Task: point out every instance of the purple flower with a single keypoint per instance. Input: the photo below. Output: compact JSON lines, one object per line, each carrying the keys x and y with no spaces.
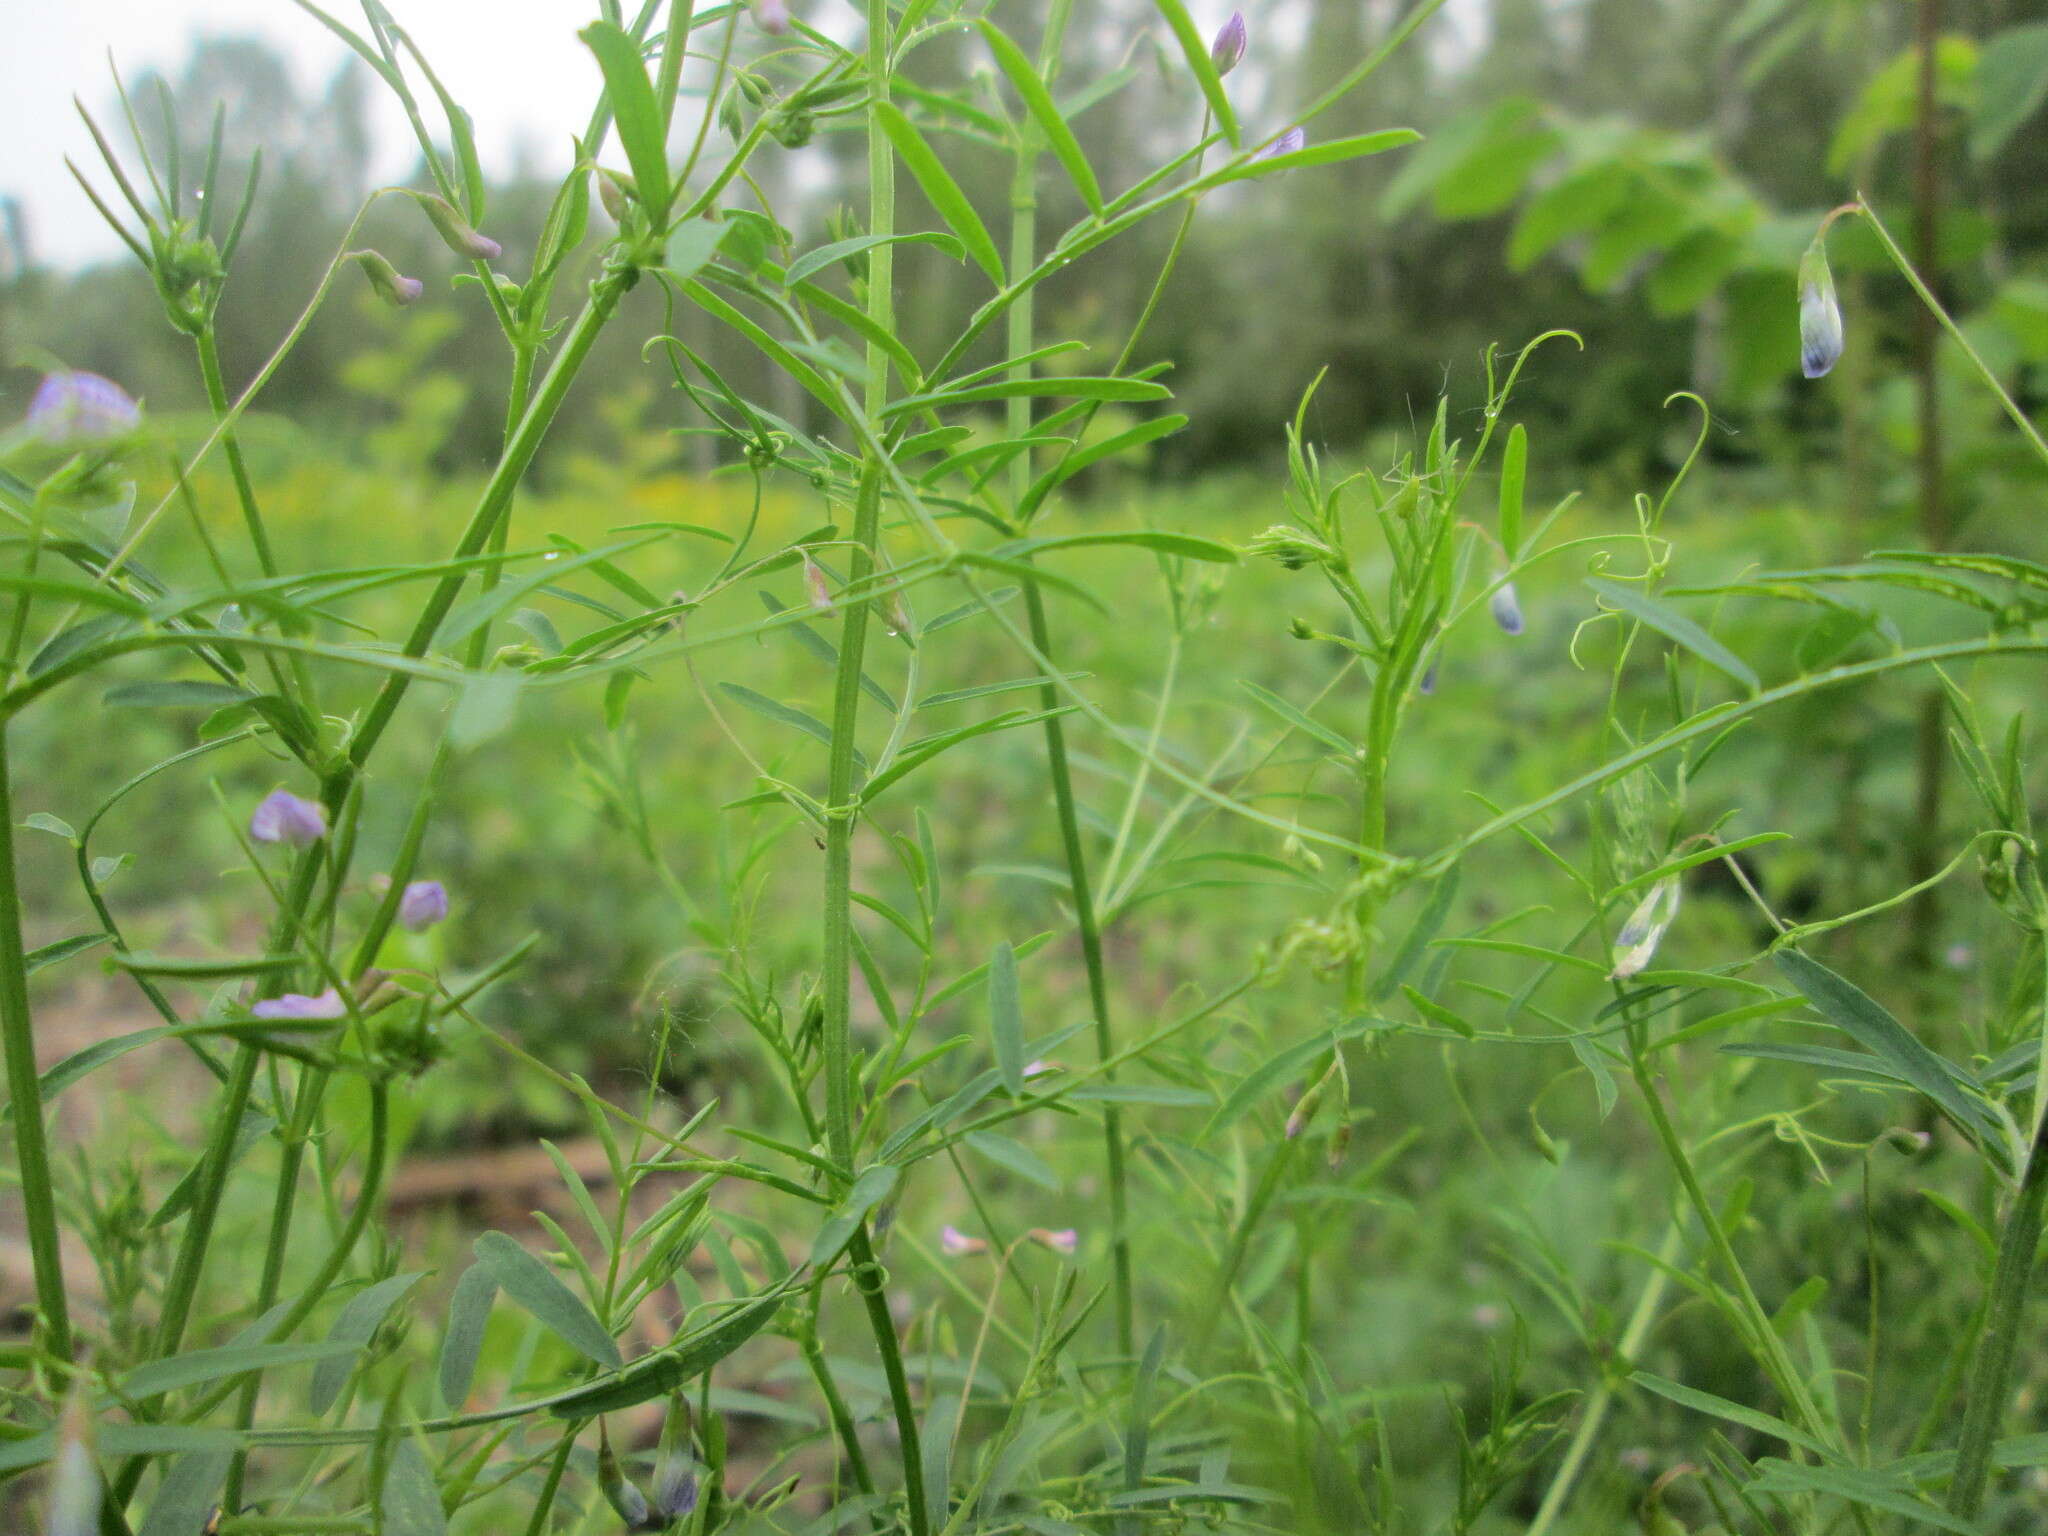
{"x":771,"y":16}
{"x":392,"y":285}
{"x":75,"y":407}
{"x":1228,"y":48}
{"x":1820,"y":317}
{"x":1506,"y":608}
{"x":956,"y":1244}
{"x":1288,"y":142}
{"x":296,"y":1005}
{"x":1064,"y":1240}
{"x":1428,"y":684}
{"x":675,"y":1488}
{"x":455,"y":230}
{"x":424,"y":904}
{"x":284,"y":818}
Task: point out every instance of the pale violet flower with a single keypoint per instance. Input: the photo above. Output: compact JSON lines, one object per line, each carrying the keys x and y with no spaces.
{"x":1064,"y":1240}
{"x":1820,"y":317}
{"x":392,"y":286}
{"x":771,"y":16}
{"x":296,"y":1005}
{"x":816,"y":587}
{"x":956,"y":1244}
{"x":1293,"y":139}
{"x":72,"y":407}
{"x":424,"y":904}
{"x":455,"y":230}
{"x":1506,"y":608}
{"x":1228,"y":48}
{"x":283,"y":817}
{"x":1640,"y":935}
{"x":1038,"y":1068}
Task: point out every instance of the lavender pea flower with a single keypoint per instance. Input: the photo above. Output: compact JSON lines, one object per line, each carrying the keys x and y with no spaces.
{"x":75,"y":407}
{"x":1293,"y":139}
{"x":424,"y":904}
{"x":1820,"y":317}
{"x":675,"y":1488}
{"x":771,"y":16}
{"x":1228,"y":48}
{"x":285,"y":818}
{"x":393,"y":286}
{"x":1506,"y":608}
{"x":816,"y":586}
{"x":296,"y":1005}
{"x":455,"y":230}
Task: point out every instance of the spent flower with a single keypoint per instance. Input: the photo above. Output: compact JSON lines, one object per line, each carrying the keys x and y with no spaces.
{"x":284,"y":817}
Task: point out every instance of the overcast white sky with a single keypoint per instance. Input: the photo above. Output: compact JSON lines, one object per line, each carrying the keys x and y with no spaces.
{"x":490,"y":53}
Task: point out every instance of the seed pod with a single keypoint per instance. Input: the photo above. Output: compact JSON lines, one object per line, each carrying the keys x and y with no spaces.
{"x":1820,"y":317}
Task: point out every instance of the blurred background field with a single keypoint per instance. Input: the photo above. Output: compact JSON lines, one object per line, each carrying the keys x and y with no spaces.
{"x":1643,"y":172}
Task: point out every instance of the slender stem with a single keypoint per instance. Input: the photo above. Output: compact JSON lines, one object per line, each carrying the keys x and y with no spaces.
{"x":1021,"y":336}
{"x":605,"y":294}
{"x":1590,"y":1422}
{"x":24,"y":1090}
{"x":835,"y":1401}
{"x":1990,"y":1378}
{"x":842,"y":1076}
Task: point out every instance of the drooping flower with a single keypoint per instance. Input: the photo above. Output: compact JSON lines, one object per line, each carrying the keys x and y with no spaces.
{"x":957,"y":1244}
{"x":74,"y":407}
{"x":1228,"y":48}
{"x":1064,"y":1240}
{"x":285,"y":818}
{"x":1820,"y":317}
{"x":392,"y":286}
{"x":816,"y":586}
{"x":296,"y":1005}
{"x":75,"y":1477}
{"x":424,"y":904}
{"x":625,"y":1498}
{"x":675,"y":1488}
{"x":1640,"y":935}
{"x":455,"y":231}
{"x":1506,"y":608}
{"x":1293,"y":139}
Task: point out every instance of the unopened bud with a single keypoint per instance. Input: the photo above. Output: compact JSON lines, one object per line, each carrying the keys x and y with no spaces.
{"x":612,"y":193}
{"x":1506,"y":608}
{"x":1228,"y":48}
{"x":771,"y":16}
{"x":1637,"y":942}
{"x":815,"y":584}
{"x":626,"y":1500}
{"x":392,"y":286}
{"x":1820,"y":317}
{"x":455,"y":230}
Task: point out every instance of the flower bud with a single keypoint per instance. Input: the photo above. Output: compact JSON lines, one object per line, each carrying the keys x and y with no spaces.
{"x":75,"y":407}
{"x":424,"y":904}
{"x":614,"y":195}
{"x":771,"y":16}
{"x":296,"y":1005}
{"x":626,"y":1500}
{"x":74,"y":1476}
{"x":392,"y":286}
{"x":1506,"y":608}
{"x":1228,"y":48}
{"x":1428,"y":684}
{"x":455,"y":231}
{"x":815,"y":584}
{"x":957,"y":1244}
{"x":1820,"y":317}
{"x":283,"y":817}
{"x":1637,"y":942}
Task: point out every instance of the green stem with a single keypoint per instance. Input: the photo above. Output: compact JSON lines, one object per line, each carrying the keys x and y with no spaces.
{"x":835,"y":1401}
{"x":605,"y":294}
{"x":1022,"y":323}
{"x":24,"y":1089}
{"x":1990,"y":1379}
